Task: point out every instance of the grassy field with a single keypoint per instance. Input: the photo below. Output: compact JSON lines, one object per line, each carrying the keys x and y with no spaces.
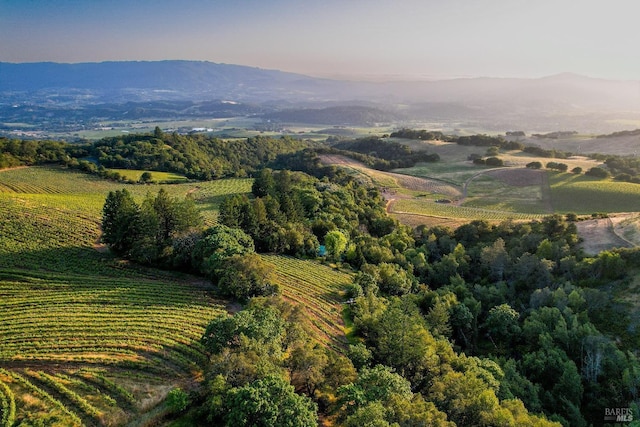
{"x":506,"y":190}
{"x":492,"y":194}
{"x":584,"y":195}
{"x":84,"y":195}
{"x":158,"y":177}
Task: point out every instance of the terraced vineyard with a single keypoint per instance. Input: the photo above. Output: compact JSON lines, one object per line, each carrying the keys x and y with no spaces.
{"x":318,"y":289}
{"x":428,"y":207}
{"x":584,"y":195}
{"x":85,"y":338}
{"x":67,"y":334}
{"x":82,"y":194}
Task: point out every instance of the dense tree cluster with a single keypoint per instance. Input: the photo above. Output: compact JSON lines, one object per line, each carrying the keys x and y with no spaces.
{"x":423,"y":134}
{"x":146,"y":232}
{"x":521,"y":294}
{"x":195,"y":156}
{"x":167,"y":232}
{"x":292,"y":213}
{"x":561,"y":167}
{"x":14,"y":152}
{"x":597,"y":172}
{"x":624,"y":168}
{"x":259,"y":358}
{"x":382,"y":154}
{"x":481,"y":141}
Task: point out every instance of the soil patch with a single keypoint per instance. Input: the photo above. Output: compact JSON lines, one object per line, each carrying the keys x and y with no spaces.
{"x":598,"y":235}
{"x":519,"y":177}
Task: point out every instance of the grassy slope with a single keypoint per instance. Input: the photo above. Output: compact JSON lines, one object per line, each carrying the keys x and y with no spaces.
{"x":487,"y":196}
{"x":84,"y":336}
{"x":584,"y":195}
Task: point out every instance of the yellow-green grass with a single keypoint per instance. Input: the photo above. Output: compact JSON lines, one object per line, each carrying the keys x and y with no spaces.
{"x":318,"y":289}
{"x":627,"y":226}
{"x":455,"y":173}
{"x":585,"y":195}
{"x":393,"y":183}
{"x":487,"y":192}
{"x":589,"y":144}
{"x":428,"y":207}
{"x":159,"y":177}
{"x":57,"y":188}
{"x":75,"y":320}
{"x":455,"y":167}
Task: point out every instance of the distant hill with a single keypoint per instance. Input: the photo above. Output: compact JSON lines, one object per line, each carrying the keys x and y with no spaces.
{"x":560,"y":102}
{"x":350,"y":115}
{"x":198,"y":80}
{"x":152,"y":80}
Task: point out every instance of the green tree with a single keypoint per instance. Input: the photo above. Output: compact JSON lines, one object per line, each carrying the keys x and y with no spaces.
{"x":307,"y":363}
{"x":120,"y":221}
{"x":502,"y":323}
{"x":495,"y":259}
{"x":264,"y":183}
{"x":177,"y":400}
{"x":246,"y":276}
{"x":534,"y":165}
{"x":262,"y":324}
{"x":217,"y":244}
{"x":146,"y":177}
{"x":379,"y":383}
{"x":336,"y":243}
{"x":269,"y":402}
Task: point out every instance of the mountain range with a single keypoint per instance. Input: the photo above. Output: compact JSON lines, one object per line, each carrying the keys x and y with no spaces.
{"x":510,"y":102}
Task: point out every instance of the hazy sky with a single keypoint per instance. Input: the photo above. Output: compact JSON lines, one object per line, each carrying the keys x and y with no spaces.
{"x":413,"y":38}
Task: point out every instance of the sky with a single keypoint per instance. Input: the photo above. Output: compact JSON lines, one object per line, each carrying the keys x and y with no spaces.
{"x":355,"y":39}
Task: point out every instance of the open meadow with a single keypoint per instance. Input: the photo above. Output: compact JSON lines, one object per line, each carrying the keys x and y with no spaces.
{"x":88,"y":339}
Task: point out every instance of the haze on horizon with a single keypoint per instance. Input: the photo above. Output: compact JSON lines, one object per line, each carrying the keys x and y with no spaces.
{"x":373,"y":39}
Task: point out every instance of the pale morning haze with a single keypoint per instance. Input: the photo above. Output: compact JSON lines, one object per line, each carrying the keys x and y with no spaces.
{"x":347,"y":38}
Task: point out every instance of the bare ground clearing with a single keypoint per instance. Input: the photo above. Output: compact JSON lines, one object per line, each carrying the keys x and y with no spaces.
{"x":518,"y":177}
{"x":599,"y":235}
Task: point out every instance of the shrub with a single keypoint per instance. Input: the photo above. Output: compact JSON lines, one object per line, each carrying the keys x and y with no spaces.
{"x":177,"y":400}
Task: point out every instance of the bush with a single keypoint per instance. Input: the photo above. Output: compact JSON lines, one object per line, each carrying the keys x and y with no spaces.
{"x":597,"y":173}
{"x":177,"y":400}
{"x":494,"y":161}
{"x":534,"y":165}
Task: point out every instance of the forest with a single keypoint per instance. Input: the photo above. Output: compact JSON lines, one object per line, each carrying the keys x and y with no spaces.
{"x":487,"y":324}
